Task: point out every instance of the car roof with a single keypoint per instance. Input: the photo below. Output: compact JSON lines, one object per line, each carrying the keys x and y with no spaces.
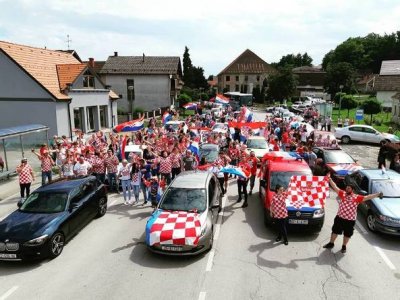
{"x":289,"y":165}
{"x":209,"y":146}
{"x":65,"y":184}
{"x":174,"y":122}
{"x":375,"y":174}
{"x":191,"y":179}
{"x":255,"y":137}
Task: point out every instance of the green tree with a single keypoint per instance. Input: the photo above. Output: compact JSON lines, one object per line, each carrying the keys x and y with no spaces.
{"x":294,"y":60}
{"x":257,"y":94}
{"x":183,"y":99}
{"x":340,"y":74}
{"x":193,"y":77}
{"x":348,"y":102}
{"x":281,"y":85}
{"x":371,"y":107}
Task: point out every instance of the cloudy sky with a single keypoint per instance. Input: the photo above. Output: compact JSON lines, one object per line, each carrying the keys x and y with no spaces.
{"x":215,"y":31}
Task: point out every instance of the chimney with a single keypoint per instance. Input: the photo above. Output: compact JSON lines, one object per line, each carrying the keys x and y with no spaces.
{"x":91,"y":62}
{"x":115,"y":53}
{"x":143,"y":57}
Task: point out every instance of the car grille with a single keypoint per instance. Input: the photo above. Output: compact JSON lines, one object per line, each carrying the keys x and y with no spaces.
{"x":303,"y":214}
{"x":12,"y":246}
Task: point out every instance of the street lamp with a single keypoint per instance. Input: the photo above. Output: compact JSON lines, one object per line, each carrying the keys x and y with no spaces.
{"x":340,"y":99}
{"x":130,"y":88}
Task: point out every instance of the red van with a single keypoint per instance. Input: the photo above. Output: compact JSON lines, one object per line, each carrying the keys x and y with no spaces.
{"x":278,"y":169}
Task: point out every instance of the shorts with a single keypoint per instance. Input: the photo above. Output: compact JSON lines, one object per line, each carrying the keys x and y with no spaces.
{"x":344,"y":226}
{"x":226,"y":176}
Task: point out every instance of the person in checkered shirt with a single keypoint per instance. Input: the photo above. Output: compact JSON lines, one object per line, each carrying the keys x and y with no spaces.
{"x":165,"y":166}
{"x":279,"y":213}
{"x":46,"y":164}
{"x":346,"y":217}
{"x":26,"y":176}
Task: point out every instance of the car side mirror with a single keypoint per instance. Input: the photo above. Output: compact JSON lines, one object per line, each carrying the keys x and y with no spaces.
{"x":20,"y":202}
{"x":362,"y":193}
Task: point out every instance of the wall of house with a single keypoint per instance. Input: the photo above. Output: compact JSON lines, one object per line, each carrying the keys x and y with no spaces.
{"x":396,"y":111}
{"x":62,"y":118}
{"x":251,"y":81}
{"x":151,"y":91}
{"x":78,"y":83}
{"x":385,"y":97}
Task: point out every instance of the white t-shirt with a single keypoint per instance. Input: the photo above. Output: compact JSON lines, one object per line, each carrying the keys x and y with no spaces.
{"x":125,"y":172}
{"x":82,"y":169}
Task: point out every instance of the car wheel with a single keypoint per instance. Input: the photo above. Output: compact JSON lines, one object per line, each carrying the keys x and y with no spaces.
{"x":345,"y":139}
{"x":102,"y":209}
{"x":371,"y":222}
{"x":56,"y":245}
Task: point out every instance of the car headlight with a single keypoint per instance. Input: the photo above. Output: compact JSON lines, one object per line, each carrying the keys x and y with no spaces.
{"x":387,"y":219}
{"x":37,"y":241}
{"x":319,"y":213}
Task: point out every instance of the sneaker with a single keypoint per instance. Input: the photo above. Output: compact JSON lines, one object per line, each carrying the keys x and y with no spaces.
{"x":329,"y":245}
{"x":278,"y":239}
{"x":239,"y":200}
{"x":144,"y":203}
{"x":245,"y":204}
{"x":126,"y":202}
{"x":343,"y":249}
{"x":286,"y":243}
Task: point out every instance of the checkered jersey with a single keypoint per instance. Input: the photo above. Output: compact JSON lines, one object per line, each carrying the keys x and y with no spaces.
{"x":175,"y":228}
{"x":165,"y":165}
{"x":278,"y":206}
{"x":111,"y":164}
{"x":308,"y":190}
{"x":25,"y":174}
{"x":46,"y":164}
{"x":348,"y":205}
{"x":98,"y":165}
{"x":176,"y":160}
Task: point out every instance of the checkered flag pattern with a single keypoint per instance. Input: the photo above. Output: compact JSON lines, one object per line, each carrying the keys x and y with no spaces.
{"x":308,"y":191}
{"x":347,"y":167}
{"x":175,"y":228}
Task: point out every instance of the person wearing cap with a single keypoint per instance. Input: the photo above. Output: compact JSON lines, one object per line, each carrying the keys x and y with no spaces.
{"x":26,"y":177}
{"x":46,"y":165}
{"x":346,"y":216}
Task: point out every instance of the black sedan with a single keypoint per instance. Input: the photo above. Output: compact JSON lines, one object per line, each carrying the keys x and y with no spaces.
{"x":49,"y":217}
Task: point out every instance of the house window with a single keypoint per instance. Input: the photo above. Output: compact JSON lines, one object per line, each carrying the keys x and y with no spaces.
{"x":90,"y":114}
{"x":246,"y":78}
{"x":228,"y":87}
{"x":88,"y":80}
{"x":244,"y":89}
{"x":237,"y":88}
{"x":103,"y":116}
{"x":237,"y":78}
{"x":130,"y":89}
{"x":78,"y":117}
{"x":258,"y":77}
{"x":228,"y":78}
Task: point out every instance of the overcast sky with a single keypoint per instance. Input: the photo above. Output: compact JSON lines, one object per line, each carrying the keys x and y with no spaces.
{"x":215,"y":31}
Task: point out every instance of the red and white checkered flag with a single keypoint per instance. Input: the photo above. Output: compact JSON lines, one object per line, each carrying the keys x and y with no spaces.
{"x":311,"y":190}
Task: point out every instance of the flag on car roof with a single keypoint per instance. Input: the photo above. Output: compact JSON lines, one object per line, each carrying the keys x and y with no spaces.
{"x":308,"y":191}
{"x":166,"y":117}
{"x":194,"y":147}
{"x":190,"y":106}
{"x":134,"y":125}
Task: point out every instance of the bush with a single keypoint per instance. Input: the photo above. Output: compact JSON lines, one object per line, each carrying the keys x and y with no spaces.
{"x":183,"y":99}
{"x":377,"y":122}
{"x":137,"y":110}
{"x":367,"y":121}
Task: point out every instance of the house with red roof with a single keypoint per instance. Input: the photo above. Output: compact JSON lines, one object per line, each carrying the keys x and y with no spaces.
{"x":53,"y":88}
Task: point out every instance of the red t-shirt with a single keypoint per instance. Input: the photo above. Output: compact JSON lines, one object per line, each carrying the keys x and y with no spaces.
{"x":348,"y":205}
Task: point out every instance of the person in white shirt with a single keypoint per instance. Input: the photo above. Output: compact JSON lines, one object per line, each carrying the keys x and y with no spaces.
{"x":82,"y":167}
{"x":124,"y":174}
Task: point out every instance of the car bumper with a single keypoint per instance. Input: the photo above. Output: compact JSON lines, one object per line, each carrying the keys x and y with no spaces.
{"x":185,"y":250}
{"x":305,"y":222}
{"x":25,"y":253}
{"x":391,"y":230}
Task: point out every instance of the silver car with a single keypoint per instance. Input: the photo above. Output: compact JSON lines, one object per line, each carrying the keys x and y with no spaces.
{"x":183,"y":223}
{"x":363,"y":133}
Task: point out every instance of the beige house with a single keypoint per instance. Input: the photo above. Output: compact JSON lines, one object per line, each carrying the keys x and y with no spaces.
{"x":387,"y":84}
{"x":244,"y":73}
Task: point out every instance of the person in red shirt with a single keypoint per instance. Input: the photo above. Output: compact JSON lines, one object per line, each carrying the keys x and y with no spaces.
{"x":242,"y":181}
{"x":252,"y":161}
{"x":346,"y":216}
{"x":279,"y":213}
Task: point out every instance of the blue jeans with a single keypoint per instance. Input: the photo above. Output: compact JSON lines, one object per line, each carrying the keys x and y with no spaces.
{"x":145,"y":192}
{"x":112,"y":179}
{"x":126,"y":186}
{"x":47,"y":175}
{"x":136,"y":191}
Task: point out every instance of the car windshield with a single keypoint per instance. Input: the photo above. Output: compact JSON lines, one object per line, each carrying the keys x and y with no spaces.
{"x":45,"y":202}
{"x":183,"y":199}
{"x":256,"y":144}
{"x":390,"y":188}
{"x":210,"y":154}
{"x":283,"y":178}
{"x":338,"y":157}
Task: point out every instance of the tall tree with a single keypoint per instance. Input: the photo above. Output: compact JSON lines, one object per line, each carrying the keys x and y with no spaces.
{"x":294,"y":60}
{"x":193,"y":77}
{"x":187,"y":67}
{"x":281,"y":85}
{"x":340,"y":74}
{"x":348,"y":102}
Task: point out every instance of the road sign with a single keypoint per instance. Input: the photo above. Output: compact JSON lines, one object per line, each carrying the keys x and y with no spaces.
{"x":359,"y":114}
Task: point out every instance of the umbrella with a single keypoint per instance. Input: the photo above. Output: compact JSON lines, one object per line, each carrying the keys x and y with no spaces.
{"x":235,"y":171}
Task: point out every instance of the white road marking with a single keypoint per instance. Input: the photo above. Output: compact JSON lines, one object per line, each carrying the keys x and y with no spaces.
{"x":385,"y":258}
{"x":8,"y":293}
{"x":362,"y":228}
{"x":210,"y":260}
{"x":202,"y":296}
{"x":217,"y":230}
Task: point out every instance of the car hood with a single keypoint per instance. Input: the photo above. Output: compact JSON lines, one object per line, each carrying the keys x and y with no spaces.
{"x":258,"y":152}
{"x":23,"y":226}
{"x":389,"y":207}
{"x":344,"y":169}
{"x":174,"y":228}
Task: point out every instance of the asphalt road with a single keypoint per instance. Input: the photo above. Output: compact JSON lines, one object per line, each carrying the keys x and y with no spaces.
{"x":108,"y":260}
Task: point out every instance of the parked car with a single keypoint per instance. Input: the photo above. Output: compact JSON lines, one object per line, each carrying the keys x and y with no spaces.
{"x":209,"y":152}
{"x":278,"y":170}
{"x":183,"y":223}
{"x":363,"y":133}
{"x":337,"y":162}
{"x":49,"y":217}
{"x":220,"y":127}
{"x":381,"y":214}
{"x":258,"y":144}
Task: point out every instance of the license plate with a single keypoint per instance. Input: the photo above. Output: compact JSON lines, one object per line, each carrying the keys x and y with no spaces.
{"x":171,"y":248}
{"x":6,"y":255}
{"x":294,"y":221}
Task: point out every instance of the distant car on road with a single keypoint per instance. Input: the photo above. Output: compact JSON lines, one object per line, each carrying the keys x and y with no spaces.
{"x":49,"y":217}
{"x":183,"y":223}
{"x":381,"y":214}
{"x":258,"y":144}
{"x":209,"y":152}
{"x":363,"y":133}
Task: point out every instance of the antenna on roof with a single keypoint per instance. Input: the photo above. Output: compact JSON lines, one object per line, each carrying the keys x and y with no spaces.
{"x":68,"y":41}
